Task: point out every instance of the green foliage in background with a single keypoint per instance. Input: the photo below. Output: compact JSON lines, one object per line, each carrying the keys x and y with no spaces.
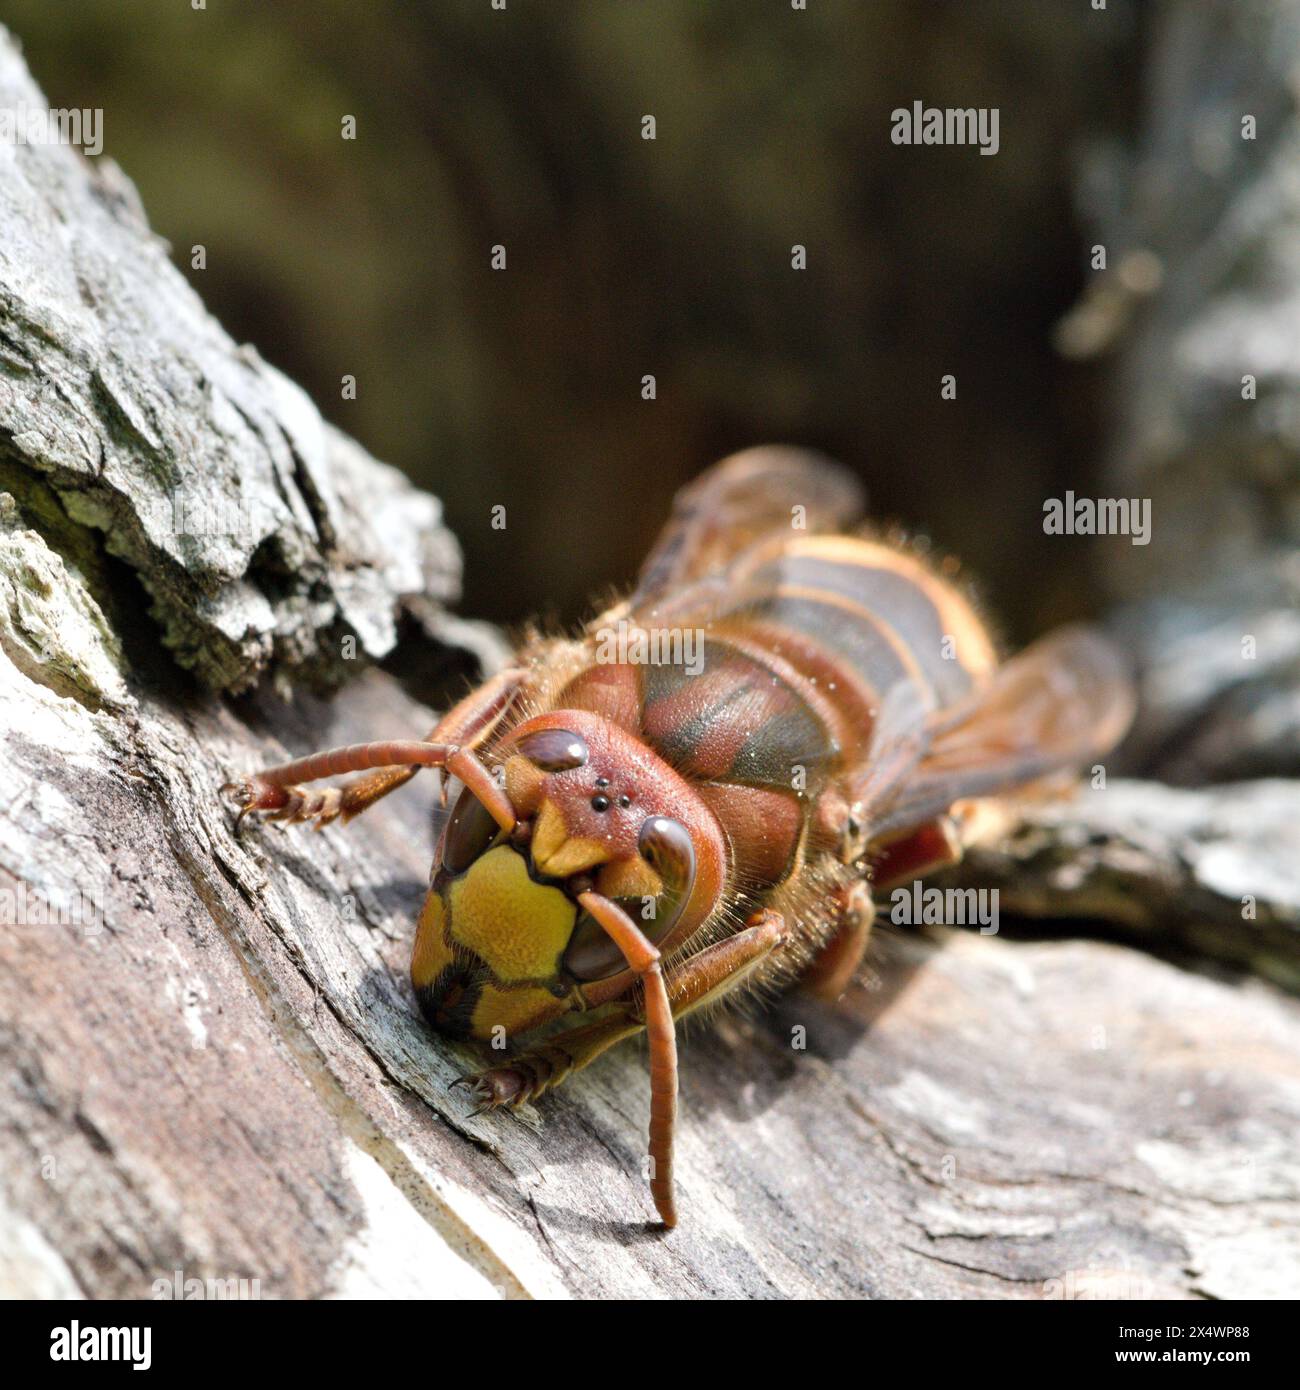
{"x":629,"y":257}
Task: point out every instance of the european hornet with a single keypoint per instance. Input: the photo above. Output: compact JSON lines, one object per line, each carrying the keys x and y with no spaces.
{"x":643,"y":831}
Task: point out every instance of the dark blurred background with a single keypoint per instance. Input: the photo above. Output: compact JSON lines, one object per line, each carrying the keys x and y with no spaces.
{"x":628,"y":257}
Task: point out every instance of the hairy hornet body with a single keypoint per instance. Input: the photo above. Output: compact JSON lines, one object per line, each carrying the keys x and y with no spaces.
{"x":699,"y":794}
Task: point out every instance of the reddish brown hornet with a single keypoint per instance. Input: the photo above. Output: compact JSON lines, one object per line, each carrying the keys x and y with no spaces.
{"x":700,"y":793}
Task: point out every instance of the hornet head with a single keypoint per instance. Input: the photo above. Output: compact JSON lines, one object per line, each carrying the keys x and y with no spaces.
{"x":503,"y":943}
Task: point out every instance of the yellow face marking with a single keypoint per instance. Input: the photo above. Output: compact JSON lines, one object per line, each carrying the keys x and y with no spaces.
{"x":431,"y":952}
{"x":555,"y":853}
{"x":515,"y":1010}
{"x":518,"y":928}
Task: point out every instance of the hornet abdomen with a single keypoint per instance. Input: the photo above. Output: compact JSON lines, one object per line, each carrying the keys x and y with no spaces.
{"x":785,"y":677}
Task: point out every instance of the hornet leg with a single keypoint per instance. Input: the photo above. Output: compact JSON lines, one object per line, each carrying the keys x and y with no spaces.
{"x":274,"y":793}
{"x":697,"y":981}
{"x":912,"y":855}
{"x":837,"y":962}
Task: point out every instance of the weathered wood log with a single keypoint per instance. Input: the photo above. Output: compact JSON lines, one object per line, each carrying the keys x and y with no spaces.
{"x":1214,"y":872}
{"x":213,"y":1068}
{"x":222,"y":1073}
{"x":259,"y":533}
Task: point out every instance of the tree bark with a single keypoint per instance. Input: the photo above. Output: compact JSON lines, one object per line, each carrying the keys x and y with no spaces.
{"x":214,"y":1067}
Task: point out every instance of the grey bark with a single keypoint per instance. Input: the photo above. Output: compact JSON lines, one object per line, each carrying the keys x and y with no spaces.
{"x":213,"y":1066}
{"x":260,"y":533}
{"x":1212,"y":873}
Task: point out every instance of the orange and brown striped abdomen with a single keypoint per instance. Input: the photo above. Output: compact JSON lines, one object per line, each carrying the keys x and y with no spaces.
{"x":811,"y":638}
{"x":816,"y":632}
{"x":881,"y":614}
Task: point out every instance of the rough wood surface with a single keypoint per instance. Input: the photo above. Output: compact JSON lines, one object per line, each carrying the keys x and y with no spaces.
{"x":1213,"y":872}
{"x":212,"y":1067}
{"x":258,"y":532}
{"x":229,"y":1078}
